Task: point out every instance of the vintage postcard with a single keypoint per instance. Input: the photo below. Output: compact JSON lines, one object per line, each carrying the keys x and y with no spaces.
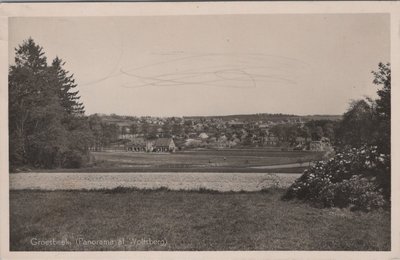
{"x":199,"y":130}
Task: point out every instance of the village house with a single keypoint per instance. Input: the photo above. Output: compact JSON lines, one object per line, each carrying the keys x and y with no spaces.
{"x":322,"y":145}
{"x":300,"y":143}
{"x":164,"y":145}
{"x":203,"y":136}
{"x":137,"y":145}
{"x":271,"y":140}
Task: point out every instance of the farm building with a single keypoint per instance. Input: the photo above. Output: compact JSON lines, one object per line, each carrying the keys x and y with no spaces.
{"x":164,"y":145}
{"x":137,"y":145}
{"x":157,"y":145}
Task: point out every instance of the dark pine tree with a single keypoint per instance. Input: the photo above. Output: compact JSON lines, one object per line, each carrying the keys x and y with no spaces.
{"x":37,"y":136}
{"x":383,"y":106}
{"x":65,"y":83}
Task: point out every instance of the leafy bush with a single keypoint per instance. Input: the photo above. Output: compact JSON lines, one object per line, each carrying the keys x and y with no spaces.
{"x":359,"y":178}
{"x":73,"y":159}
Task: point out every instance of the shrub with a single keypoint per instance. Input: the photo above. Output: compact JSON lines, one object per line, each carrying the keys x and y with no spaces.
{"x":73,"y":159}
{"x":359,"y":178}
{"x":361,"y":193}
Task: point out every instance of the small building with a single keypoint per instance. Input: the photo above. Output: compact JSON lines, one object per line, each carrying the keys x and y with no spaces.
{"x":271,"y":140}
{"x":322,"y":145}
{"x":164,"y":145}
{"x":300,"y":143}
{"x":203,"y":136}
{"x":136,"y":145}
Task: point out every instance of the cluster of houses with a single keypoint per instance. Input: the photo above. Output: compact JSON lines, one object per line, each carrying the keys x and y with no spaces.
{"x":169,"y":135}
{"x":167,"y":145}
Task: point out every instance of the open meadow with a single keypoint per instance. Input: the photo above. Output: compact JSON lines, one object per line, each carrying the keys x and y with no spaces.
{"x":186,"y":220}
{"x":224,"y":160}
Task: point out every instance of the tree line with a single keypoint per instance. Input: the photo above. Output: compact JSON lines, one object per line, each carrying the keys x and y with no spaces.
{"x":367,"y":121}
{"x":47,"y":125}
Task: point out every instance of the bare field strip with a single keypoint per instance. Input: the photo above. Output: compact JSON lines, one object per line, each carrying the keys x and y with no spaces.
{"x":151,"y":180}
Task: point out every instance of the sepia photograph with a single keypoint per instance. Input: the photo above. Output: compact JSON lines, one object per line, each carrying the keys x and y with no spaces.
{"x":217,"y":132}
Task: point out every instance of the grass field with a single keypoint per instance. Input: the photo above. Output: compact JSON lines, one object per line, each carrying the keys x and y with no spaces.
{"x":188,"y":220}
{"x":227,"y":160}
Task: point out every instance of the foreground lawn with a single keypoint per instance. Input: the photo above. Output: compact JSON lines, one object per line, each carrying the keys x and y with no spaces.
{"x":186,"y":220}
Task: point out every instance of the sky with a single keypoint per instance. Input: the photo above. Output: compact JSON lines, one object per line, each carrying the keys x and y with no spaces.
{"x":214,"y":64}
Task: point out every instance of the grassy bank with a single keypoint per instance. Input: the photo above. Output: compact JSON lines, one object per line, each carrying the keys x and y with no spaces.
{"x":185,"y":220}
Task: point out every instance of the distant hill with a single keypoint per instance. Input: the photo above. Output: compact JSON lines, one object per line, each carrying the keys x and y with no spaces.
{"x":247,"y":117}
{"x":268,"y":117}
{"x":322,"y":117}
{"x":129,"y":120}
{"x":117,"y":119}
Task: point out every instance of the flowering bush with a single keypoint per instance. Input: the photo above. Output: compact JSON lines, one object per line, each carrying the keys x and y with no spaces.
{"x":359,"y":178}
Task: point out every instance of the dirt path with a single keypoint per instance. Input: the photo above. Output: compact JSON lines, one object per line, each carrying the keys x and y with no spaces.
{"x":176,"y":181}
{"x":278,"y":166}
